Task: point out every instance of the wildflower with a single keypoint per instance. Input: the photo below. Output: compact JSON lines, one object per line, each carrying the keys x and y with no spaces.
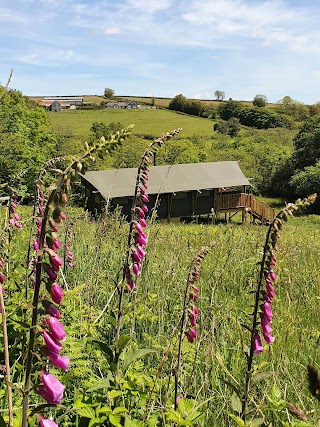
{"x":257,"y":345}
{"x":56,"y":293}
{"x":178,"y":398}
{"x":266,"y":310}
{"x":52,"y":390}
{"x":136,"y":269}
{"x":2,"y":278}
{"x":52,"y":345}
{"x":191,"y":335}
{"x":49,"y":270}
{"x":56,"y":328}
{"x":61,"y":362}
{"x":46,"y":422}
{"x":51,"y":309}
{"x":272,"y":276}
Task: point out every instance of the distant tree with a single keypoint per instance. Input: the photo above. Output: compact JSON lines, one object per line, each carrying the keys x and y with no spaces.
{"x":108,"y":93}
{"x":219,"y":95}
{"x":314,"y":109}
{"x":222,"y":127}
{"x":229,"y":109}
{"x":234,"y":126}
{"x":286,"y":100}
{"x":178,"y":103}
{"x":260,"y":100}
{"x":307,"y":181}
{"x":260,"y":118}
{"x":100,"y":129}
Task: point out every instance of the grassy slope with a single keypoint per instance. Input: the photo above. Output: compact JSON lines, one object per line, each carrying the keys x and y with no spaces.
{"x":152,"y":122}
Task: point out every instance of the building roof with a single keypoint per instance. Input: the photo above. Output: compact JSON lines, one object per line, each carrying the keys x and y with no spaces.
{"x":168,"y":179}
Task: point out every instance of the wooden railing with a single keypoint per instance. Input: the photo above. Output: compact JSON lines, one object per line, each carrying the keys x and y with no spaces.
{"x":243,"y":200}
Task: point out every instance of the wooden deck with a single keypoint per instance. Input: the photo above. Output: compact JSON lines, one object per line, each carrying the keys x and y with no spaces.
{"x":247,"y":204}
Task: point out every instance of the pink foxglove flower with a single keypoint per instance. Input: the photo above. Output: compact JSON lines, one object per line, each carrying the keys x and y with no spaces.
{"x":191,"y":335}
{"x":56,"y":293}
{"x":2,"y":278}
{"x":50,"y":271}
{"x":61,"y":362}
{"x":46,"y":422}
{"x":51,"y":309}
{"x":56,"y":328}
{"x":52,"y":345}
{"x":267,"y":312}
{"x":257,"y":344}
{"x":52,"y":390}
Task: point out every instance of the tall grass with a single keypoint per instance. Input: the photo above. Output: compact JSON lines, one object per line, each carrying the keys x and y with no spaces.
{"x":214,"y":367}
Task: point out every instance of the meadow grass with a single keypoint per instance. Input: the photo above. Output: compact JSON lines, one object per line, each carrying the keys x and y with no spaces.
{"x":214,"y":366}
{"x":152,"y":122}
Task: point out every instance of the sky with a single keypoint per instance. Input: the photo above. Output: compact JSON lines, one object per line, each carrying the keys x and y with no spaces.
{"x":162,"y":47}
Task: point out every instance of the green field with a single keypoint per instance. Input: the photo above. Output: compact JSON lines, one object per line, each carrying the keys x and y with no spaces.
{"x":151,"y":122}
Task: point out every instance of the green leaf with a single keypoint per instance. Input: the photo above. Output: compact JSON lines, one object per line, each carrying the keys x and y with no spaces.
{"x":115,"y":420}
{"x":104,"y":410}
{"x":97,"y":421}
{"x":236,"y":403}
{"x":86,"y":412}
{"x":134,"y":356}
{"x":123,"y":341}
{"x":114,"y":393}
{"x":133,"y":423}
{"x":105,"y":383}
{"x":238,"y":420}
{"x":119,"y":410}
{"x":256,"y":422}
{"x":105,"y":349}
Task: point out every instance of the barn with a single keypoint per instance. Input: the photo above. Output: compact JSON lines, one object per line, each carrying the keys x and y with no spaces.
{"x":179,"y":191}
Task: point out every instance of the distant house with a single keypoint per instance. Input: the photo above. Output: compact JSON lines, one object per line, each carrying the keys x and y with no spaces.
{"x":51,"y":105}
{"x":66,"y":102}
{"x":185,"y":190}
{"x":122,"y":104}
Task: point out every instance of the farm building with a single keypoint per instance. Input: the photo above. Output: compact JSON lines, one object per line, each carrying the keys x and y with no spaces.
{"x":122,"y":104}
{"x":51,"y":105}
{"x":67,"y":102}
{"x":185,"y":190}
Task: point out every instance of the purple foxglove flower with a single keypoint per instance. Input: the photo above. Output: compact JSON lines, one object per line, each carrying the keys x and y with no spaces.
{"x":191,"y":335}
{"x":50,"y":272}
{"x":141,"y":251}
{"x":2,"y":262}
{"x":61,"y":362}
{"x":52,"y":390}
{"x":141,"y":213}
{"x":195,"y":310}
{"x":194,"y":297}
{"x":269,"y":339}
{"x":46,"y":422}
{"x":56,"y":260}
{"x":56,"y":293}
{"x":272,"y":276}
{"x":56,"y":243}
{"x":265,"y":326}
{"x":192,"y":318}
{"x":270,"y":289}
{"x":143,"y":222}
{"x":18,"y":225}
{"x":14,"y":205}
{"x":2,"y":278}
{"x":139,"y":229}
{"x":136,"y":269}
{"x":11,"y":221}
{"x":267,"y":312}
{"x":70,"y":264}
{"x":141,"y":240}
{"x":145,"y":198}
{"x":51,"y":309}
{"x":136,"y":256}
{"x":257,"y":344}
{"x":1,"y":290}
{"x":52,"y":345}
{"x":62,"y":216}
{"x":16,"y":217}
{"x":70,"y":256}
{"x":56,"y":329}
{"x":36,"y":245}
{"x":144,"y":208}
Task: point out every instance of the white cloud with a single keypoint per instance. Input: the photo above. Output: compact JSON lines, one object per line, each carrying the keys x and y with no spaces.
{"x":110,"y":31}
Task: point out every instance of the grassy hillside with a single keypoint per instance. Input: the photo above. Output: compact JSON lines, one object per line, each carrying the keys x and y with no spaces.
{"x":152,"y":122}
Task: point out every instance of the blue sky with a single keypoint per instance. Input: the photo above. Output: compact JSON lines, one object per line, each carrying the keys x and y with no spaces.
{"x":163,"y":47}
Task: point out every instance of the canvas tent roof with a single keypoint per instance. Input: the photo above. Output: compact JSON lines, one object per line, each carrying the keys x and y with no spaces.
{"x":168,"y":178}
